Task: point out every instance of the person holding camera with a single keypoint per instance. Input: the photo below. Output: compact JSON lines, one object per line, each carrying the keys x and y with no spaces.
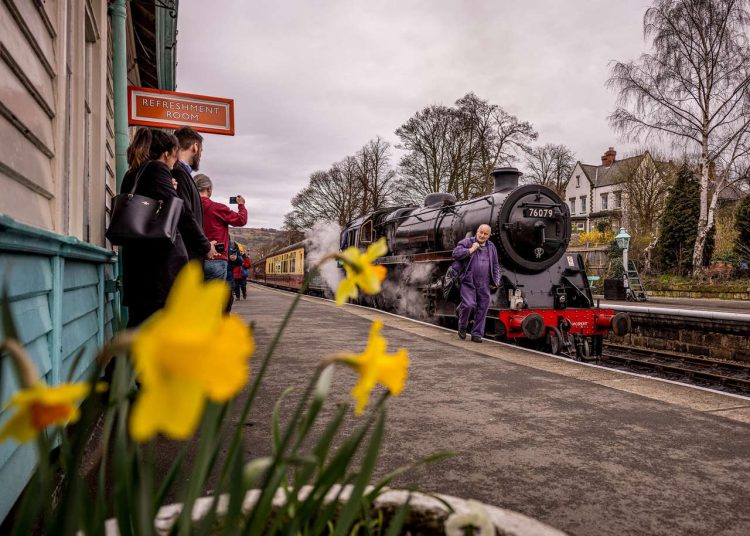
{"x":217,"y":218}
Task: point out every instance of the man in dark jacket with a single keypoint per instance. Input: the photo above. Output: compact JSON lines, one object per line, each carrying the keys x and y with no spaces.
{"x":476,"y":260}
{"x":189,"y":158}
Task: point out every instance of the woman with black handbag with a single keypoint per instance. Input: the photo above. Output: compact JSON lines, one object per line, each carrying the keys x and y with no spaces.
{"x":150,"y":266}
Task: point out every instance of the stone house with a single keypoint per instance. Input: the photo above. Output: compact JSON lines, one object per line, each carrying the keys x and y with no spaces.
{"x":598,"y":194}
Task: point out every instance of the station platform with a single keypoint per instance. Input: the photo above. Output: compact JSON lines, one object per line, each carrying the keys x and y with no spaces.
{"x":587,"y":450}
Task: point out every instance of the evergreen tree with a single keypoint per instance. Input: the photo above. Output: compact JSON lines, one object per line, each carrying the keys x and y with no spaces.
{"x":742,"y":224}
{"x":679,"y":224}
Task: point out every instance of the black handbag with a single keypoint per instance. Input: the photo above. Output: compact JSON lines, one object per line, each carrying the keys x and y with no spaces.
{"x":137,"y":217}
{"x":451,"y":285}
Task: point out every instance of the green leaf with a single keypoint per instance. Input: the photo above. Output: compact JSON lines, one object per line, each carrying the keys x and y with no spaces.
{"x":368,"y":466}
{"x":275,"y":431}
{"x":387,"y":479}
{"x":169,"y":479}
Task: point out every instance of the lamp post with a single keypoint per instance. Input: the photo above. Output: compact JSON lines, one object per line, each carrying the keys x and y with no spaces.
{"x":623,"y":241}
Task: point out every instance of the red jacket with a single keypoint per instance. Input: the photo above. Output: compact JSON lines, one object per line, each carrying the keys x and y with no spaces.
{"x":217,"y":218}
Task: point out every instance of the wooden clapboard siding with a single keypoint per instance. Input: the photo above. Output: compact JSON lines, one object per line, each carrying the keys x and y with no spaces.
{"x":58,"y":302}
{"x":27,"y":114}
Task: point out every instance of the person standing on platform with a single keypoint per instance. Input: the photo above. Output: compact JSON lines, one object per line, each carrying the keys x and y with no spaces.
{"x":188,"y":160}
{"x":217,"y":218}
{"x":150,"y":267}
{"x":476,"y":260}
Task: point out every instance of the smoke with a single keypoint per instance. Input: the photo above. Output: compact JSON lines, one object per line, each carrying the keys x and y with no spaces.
{"x":402,"y":290}
{"x":322,"y":240}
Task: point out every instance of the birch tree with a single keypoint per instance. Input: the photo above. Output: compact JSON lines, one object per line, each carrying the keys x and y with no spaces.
{"x":693,"y":88}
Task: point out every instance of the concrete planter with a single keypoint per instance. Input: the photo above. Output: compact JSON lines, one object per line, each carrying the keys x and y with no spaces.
{"x":427,"y":515}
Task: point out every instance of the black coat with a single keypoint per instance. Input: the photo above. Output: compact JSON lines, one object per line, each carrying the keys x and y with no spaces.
{"x":188,"y":192}
{"x":150,"y":267}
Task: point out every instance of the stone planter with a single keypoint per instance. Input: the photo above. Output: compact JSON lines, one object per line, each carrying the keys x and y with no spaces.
{"x":427,"y":513}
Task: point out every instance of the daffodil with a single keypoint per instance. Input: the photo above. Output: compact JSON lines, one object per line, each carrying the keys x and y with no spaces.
{"x":376,"y":366}
{"x":185,"y":353}
{"x":360,"y":272}
{"x":40,"y":406}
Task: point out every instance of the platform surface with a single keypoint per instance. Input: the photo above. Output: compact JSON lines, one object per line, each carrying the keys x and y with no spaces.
{"x":587,"y":450}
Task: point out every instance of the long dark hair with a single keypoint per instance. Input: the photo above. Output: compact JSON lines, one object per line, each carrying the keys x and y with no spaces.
{"x":139,"y":149}
{"x":149,"y":144}
{"x":161,"y":143}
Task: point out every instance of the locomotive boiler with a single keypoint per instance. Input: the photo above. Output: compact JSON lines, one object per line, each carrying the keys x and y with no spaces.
{"x":545,"y":300}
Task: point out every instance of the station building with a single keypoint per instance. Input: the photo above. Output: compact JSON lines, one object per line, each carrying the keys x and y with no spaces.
{"x":65,"y":66}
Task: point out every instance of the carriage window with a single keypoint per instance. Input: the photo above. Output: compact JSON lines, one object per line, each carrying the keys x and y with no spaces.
{"x":291,"y":264}
{"x":367,"y":233}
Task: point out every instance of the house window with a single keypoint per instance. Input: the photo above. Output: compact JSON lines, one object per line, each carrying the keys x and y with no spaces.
{"x":604,"y":201}
{"x":578,"y":181}
{"x":583,"y":203}
{"x":581,"y":226}
{"x":572,"y":205}
{"x":618,"y":200}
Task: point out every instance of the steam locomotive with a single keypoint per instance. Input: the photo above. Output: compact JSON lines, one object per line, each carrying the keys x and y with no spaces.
{"x":544,"y":301}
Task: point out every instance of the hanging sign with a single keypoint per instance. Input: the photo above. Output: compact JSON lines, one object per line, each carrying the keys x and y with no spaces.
{"x":169,"y":109}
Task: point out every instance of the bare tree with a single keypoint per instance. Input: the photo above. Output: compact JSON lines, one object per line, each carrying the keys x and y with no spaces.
{"x":455,"y":149}
{"x":550,"y":165}
{"x":693,"y":89}
{"x":375,"y":174}
{"x":333,"y":195}
{"x":424,"y":167}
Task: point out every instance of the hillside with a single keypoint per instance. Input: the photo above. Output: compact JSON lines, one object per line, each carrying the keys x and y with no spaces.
{"x":258,"y":241}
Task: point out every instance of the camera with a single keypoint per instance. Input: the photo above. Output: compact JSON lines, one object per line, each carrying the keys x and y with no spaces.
{"x":219,"y":247}
{"x":233,"y":200}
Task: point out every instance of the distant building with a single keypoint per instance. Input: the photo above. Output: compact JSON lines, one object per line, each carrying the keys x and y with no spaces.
{"x":598,"y":194}
{"x":58,"y":108}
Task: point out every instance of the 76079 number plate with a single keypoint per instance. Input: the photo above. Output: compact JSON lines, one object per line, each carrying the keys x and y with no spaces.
{"x":536,"y":212}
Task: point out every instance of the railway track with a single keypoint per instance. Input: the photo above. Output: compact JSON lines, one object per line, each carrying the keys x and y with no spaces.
{"x":731,"y":377}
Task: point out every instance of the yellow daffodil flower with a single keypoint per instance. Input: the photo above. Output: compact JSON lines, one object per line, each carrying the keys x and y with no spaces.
{"x":376,"y":366}
{"x":360,"y":273}
{"x":40,"y":406}
{"x":185,"y":353}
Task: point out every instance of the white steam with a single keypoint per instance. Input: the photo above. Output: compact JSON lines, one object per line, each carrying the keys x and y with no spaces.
{"x":403,"y":291}
{"x":322,"y":240}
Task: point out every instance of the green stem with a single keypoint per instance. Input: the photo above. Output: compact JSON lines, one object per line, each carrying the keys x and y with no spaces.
{"x":264,"y":366}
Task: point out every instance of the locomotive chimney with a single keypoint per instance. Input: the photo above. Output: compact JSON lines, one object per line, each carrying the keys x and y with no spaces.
{"x":506,"y":179}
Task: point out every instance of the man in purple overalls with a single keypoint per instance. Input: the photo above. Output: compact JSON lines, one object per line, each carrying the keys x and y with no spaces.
{"x":476,"y":260}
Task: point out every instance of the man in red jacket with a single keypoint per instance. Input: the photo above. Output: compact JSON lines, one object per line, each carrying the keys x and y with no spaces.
{"x":217,"y":218}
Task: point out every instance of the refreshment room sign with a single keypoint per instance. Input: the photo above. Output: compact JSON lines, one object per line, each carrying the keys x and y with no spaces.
{"x":160,"y":108}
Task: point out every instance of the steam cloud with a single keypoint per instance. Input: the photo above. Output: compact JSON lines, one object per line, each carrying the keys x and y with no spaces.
{"x":404,"y":293}
{"x":321,"y":240}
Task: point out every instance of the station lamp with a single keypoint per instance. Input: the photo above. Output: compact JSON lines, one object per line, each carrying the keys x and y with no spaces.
{"x":623,"y":241}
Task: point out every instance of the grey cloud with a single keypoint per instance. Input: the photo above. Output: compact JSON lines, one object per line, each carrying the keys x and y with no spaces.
{"x":314,"y":81}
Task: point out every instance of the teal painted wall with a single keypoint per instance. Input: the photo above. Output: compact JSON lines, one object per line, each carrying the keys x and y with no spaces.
{"x":56,"y":289}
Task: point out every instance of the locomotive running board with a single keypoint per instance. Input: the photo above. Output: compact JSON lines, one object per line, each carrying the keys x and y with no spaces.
{"x":437,"y":256}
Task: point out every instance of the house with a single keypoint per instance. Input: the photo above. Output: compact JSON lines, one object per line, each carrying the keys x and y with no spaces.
{"x":598,"y":194}
{"x":65,"y":68}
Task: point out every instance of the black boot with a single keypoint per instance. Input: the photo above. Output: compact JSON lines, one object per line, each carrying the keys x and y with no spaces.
{"x":462,"y":333}
{"x":475,"y":338}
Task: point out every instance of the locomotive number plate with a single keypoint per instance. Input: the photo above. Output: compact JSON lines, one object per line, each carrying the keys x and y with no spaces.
{"x":538,"y":213}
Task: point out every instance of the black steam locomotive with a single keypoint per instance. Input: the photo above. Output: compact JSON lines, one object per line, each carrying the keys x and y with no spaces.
{"x":545,"y":300}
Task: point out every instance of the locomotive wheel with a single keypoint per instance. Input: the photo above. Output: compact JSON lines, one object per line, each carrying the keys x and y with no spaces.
{"x":554,"y":341}
{"x":583,"y":351}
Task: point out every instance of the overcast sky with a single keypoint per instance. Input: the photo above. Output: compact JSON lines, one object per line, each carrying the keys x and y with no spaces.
{"x":313,"y":81}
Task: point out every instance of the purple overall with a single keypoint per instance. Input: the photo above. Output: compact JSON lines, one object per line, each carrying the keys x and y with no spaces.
{"x":479,"y":270}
